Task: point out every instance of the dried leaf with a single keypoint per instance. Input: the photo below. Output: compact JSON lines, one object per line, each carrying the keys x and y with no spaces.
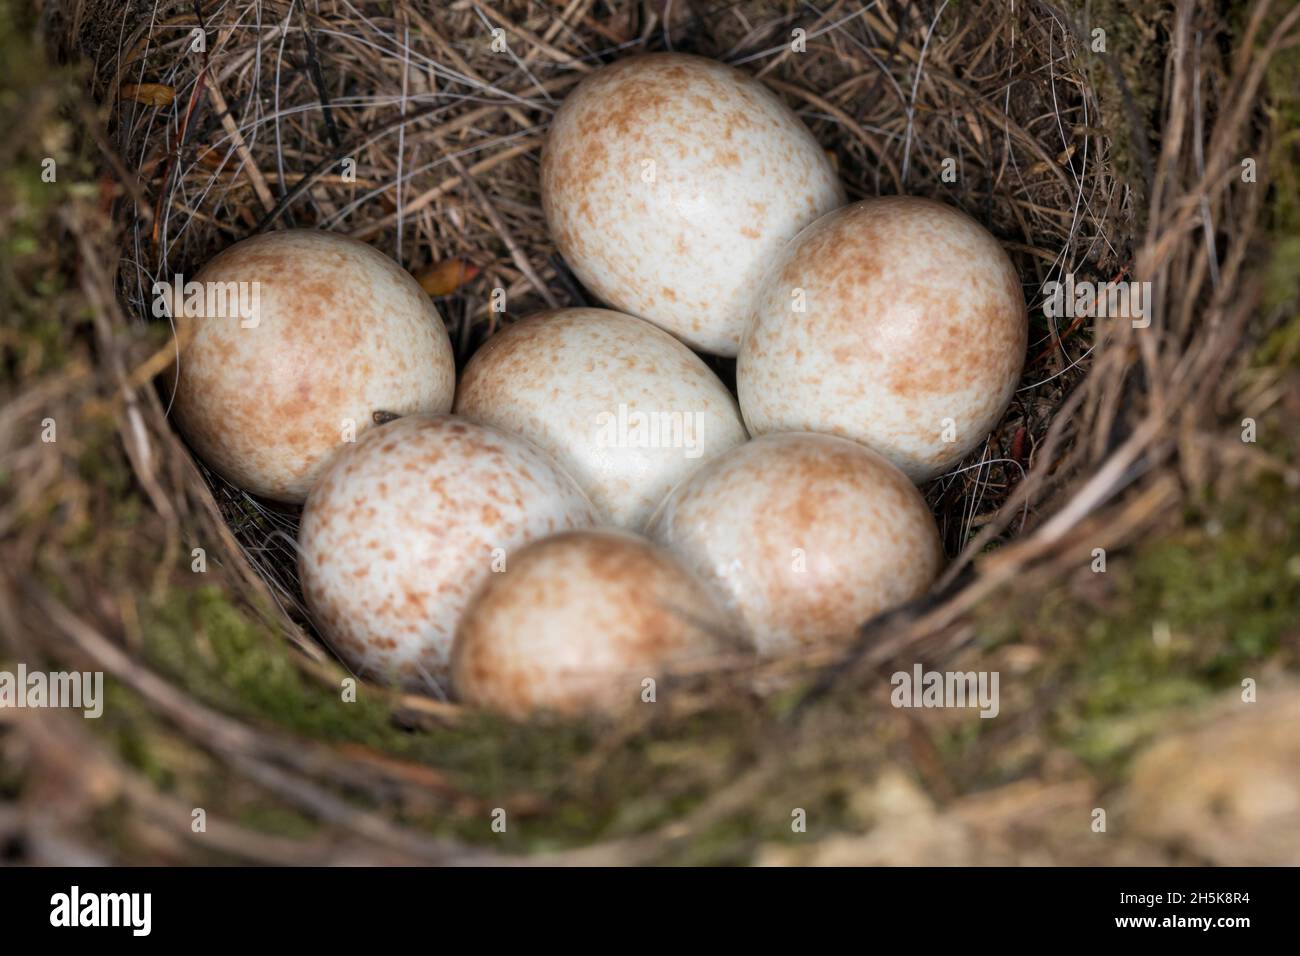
{"x":150,"y":94}
{"x":444,"y":278}
{"x":211,"y":157}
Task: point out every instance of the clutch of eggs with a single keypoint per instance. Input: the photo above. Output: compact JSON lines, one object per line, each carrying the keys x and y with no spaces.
{"x":335,"y":334}
{"x":877,"y":345}
{"x":668,"y":183}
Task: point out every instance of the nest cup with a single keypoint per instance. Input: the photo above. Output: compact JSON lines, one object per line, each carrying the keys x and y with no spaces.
{"x":419,"y":131}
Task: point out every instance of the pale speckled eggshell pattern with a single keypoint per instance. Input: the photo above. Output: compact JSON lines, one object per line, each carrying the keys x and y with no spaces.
{"x":803,"y":537}
{"x":342,"y":332}
{"x":576,"y":380}
{"x":913,"y":314}
{"x":735,"y":175}
{"x":402,"y":529}
{"x":578,"y":622}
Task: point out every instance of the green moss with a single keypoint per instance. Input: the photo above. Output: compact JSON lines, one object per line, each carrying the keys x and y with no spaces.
{"x":1281,"y":347}
{"x":1130,"y":53}
{"x":229,"y":660}
{"x":1193,"y":614}
{"x":1282,"y":83}
{"x":226,"y":658}
{"x":1282,"y":280}
{"x":36,"y":103}
{"x":128,"y":720}
{"x":277,"y":820}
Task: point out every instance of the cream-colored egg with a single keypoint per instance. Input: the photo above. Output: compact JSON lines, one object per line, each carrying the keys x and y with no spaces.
{"x":579,"y":623}
{"x":298,"y":340}
{"x":407,"y":523}
{"x":669,"y":181}
{"x":804,"y":537}
{"x":897,"y":322}
{"x":624,"y":407}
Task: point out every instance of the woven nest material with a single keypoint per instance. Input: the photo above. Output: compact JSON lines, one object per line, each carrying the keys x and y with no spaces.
{"x":282,"y":99}
{"x":1009,"y":111}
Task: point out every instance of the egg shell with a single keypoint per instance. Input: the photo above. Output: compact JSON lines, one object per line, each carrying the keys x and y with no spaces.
{"x":578,"y":622}
{"x":624,"y":407}
{"x":803,"y":537}
{"x":913,"y":331}
{"x":407,"y":523}
{"x":341,"y":332}
{"x":669,"y":181}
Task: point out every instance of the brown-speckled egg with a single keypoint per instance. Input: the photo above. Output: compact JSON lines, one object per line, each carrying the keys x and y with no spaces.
{"x":803,"y":536}
{"x":340,"y":334}
{"x":624,"y":407}
{"x":407,"y":523}
{"x":580,"y":623}
{"x":669,"y":181}
{"x":897,"y":322}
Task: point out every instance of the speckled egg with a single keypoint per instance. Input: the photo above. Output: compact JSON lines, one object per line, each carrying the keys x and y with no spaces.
{"x":669,"y":181}
{"x":624,"y":407}
{"x":407,"y":523}
{"x":897,"y":322}
{"x":579,"y":623}
{"x":804,"y":537}
{"x":299,"y":340}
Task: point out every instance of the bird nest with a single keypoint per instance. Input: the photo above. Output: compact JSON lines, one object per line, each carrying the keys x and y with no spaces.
{"x":1107,"y":149}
